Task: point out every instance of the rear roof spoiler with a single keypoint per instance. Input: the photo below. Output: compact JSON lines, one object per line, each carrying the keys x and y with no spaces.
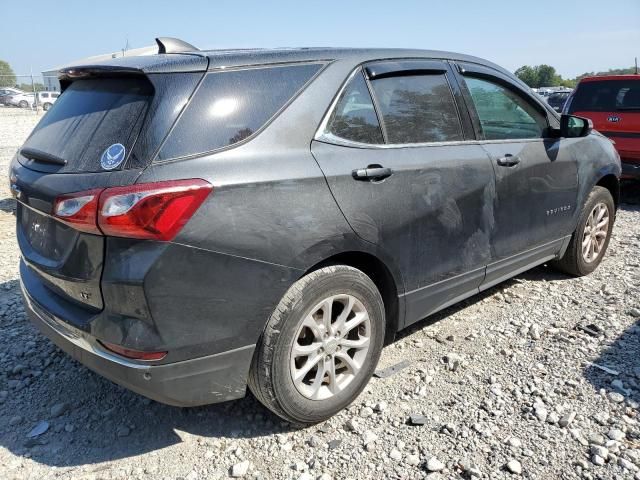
{"x":136,"y":65}
{"x":174,"y":45}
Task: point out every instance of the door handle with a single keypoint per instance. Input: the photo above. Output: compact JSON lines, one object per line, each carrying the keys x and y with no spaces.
{"x":372,"y":172}
{"x":508,"y":161}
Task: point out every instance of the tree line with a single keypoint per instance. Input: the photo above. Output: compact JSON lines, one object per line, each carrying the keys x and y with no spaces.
{"x":8,"y":79}
{"x":546,"y":76}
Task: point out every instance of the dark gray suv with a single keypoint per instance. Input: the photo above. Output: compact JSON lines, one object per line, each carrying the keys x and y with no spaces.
{"x":195,"y":222}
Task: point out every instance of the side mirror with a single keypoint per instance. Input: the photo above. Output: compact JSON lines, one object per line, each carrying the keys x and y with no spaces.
{"x":573,"y":127}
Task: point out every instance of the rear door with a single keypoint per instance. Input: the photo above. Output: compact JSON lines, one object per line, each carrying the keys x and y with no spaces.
{"x":400,"y":158}
{"x":65,"y":153}
{"x":535,"y":174}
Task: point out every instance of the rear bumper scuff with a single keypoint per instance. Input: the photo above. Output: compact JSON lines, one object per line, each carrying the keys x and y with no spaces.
{"x":200,"y":381}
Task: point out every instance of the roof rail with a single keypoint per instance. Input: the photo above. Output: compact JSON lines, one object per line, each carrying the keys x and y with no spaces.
{"x":173,"y":45}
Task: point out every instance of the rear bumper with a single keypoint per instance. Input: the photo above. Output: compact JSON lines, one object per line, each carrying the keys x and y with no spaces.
{"x":199,"y":381}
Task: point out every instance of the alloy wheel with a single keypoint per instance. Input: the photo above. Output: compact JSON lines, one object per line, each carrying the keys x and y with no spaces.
{"x":330,"y":347}
{"x":595,"y":232}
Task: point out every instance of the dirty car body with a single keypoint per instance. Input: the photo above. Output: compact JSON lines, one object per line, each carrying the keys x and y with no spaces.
{"x":177,"y":318}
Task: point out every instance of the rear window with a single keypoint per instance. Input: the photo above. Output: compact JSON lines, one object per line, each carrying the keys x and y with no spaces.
{"x":229,"y":107}
{"x":89,"y":117}
{"x":606,"y":96}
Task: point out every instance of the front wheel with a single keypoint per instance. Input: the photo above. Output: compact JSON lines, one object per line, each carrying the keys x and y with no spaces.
{"x":591,"y":238}
{"x":23,"y":104}
{"x":46,"y":106}
{"x":321,"y":345}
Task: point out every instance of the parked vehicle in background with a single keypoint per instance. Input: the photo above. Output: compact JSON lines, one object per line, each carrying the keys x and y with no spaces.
{"x":271,"y":217}
{"x":547,"y":91}
{"x":47,"y":99}
{"x":10,"y":91}
{"x":23,"y":100}
{"x":557,"y":100}
{"x":4,"y":98}
{"x":6,"y":93}
{"x":612,"y":103}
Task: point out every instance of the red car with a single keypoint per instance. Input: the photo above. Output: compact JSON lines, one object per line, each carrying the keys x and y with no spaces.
{"x":612,"y":102}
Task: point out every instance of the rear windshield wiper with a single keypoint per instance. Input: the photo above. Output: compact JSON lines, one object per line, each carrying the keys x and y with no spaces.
{"x":40,"y":156}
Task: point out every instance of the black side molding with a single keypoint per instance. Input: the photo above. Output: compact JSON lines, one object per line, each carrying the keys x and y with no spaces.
{"x":174,"y":45}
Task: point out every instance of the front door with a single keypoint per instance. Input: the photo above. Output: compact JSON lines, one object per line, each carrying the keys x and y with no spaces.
{"x":410,"y":180}
{"x":536,"y":176}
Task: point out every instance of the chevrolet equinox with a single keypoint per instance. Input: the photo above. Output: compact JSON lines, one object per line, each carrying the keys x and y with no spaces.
{"x":195,"y":222}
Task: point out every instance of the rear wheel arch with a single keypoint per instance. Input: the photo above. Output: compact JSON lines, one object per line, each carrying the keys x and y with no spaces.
{"x":381,"y":275}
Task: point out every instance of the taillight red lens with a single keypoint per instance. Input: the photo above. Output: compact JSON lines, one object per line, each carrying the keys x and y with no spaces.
{"x":133,"y":354}
{"x":79,"y":210}
{"x":154,"y":211}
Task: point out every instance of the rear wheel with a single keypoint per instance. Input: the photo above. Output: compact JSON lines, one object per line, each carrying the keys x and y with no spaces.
{"x":46,"y":106}
{"x":23,"y":104}
{"x":321,"y":345}
{"x":591,"y":238}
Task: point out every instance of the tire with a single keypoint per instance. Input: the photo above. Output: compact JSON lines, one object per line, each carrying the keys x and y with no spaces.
{"x":23,"y":104}
{"x":46,"y":106}
{"x":573,"y":261}
{"x":271,"y":378}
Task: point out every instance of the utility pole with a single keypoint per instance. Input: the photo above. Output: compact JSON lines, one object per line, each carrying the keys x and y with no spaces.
{"x":33,"y":88}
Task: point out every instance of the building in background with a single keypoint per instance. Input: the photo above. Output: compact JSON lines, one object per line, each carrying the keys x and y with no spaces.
{"x":50,"y":76}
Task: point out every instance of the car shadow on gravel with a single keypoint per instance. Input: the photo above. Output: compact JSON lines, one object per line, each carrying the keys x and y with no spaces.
{"x":617,"y":369}
{"x":630,"y":193}
{"x":8,"y":205}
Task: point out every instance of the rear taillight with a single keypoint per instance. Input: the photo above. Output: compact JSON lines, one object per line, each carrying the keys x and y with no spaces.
{"x":155,"y":211}
{"x":79,"y":210}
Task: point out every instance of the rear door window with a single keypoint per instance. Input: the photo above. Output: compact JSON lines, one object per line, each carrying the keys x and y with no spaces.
{"x":504,"y":114}
{"x":354,"y":117}
{"x":606,"y":96}
{"x":231,"y":106}
{"x":417,"y":109}
{"x":92,"y":115}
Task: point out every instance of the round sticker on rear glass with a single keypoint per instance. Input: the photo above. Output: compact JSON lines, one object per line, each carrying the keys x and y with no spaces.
{"x":113,"y":156}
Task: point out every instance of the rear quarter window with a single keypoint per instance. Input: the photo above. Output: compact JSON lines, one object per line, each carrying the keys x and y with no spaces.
{"x":231,"y":106}
{"x":354,"y":117}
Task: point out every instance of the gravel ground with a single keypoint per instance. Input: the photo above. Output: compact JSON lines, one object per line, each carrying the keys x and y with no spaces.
{"x":537,"y":378}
